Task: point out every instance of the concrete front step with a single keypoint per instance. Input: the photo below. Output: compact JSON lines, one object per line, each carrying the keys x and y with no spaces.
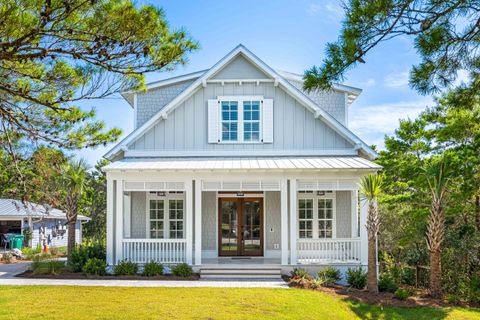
{"x":240,"y":273}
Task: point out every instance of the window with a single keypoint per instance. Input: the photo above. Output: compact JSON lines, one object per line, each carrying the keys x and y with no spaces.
{"x":305,"y":218}
{"x":166,"y":217}
{"x":240,"y":120}
{"x":229,"y":120}
{"x":157,"y":215}
{"x":251,"y":120}
{"x":316,"y":216}
{"x":325,"y":218}
{"x":176,"y":219}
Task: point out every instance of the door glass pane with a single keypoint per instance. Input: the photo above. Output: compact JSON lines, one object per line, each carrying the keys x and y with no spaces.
{"x":252,"y":227}
{"x":229,"y":224}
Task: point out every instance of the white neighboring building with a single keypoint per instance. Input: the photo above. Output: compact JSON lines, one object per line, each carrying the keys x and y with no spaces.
{"x":237,"y":166}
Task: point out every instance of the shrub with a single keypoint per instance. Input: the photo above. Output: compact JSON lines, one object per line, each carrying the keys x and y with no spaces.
{"x":53,"y":267}
{"x":402,"y":294}
{"x":95,"y":266}
{"x":317,"y":283}
{"x":453,"y":299}
{"x":28,"y":253}
{"x":7,"y":257}
{"x":41,"y":257}
{"x":301,"y":273}
{"x":125,"y":268}
{"x":408,"y":276}
{"x":182,"y":270}
{"x":474,"y":289}
{"x":386,"y":283}
{"x":329,"y":276}
{"x":82,"y":253}
{"x":152,"y":269}
{"x":357,"y":278}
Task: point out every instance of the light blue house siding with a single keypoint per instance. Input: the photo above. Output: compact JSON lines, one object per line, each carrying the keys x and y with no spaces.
{"x":295,"y":127}
{"x":54,"y":240}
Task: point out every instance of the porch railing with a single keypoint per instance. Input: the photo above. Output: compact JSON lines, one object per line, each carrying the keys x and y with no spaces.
{"x":328,"y":250}
{"x":159,"y":250}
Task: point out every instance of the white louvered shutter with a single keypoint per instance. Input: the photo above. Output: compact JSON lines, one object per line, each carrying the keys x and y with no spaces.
{"x":213,"y":121}
{"x":267,"y":121}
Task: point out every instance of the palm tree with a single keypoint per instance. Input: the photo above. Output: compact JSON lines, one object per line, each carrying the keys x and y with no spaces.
{"x":75,"y":175}
{"x":437,"y":176}
{"x":371,"y":187}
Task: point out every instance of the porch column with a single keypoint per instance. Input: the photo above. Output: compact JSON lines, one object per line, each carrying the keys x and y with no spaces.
{"x":189,"y":220}
{"x":119,"y":222}
{"x":363,"y":232}
{"x":354,"y":196}
{"x":198,"y":222}
{"x":284,"y":220}
{"x":110,"y":226}
{"x":293,"y":221}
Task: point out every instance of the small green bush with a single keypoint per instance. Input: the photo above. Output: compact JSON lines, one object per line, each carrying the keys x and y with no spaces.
{"x":95,"y":266}
{"x":402,"y":294}
{"x":152,"y":269}
{"x":317,"y":283}
{"x":301,"y":273}
{"x":357,"y":278}
{"x":386,"y":283}
{"x":53,"y":267}
{"x":453,"y":299}
{"x":28,"y":253}
{"x":329,"y":276}
{"x":125,"y":268}
{"x":182,"y":270}
{"x":82,"y":253}
{"x":474,"y":289}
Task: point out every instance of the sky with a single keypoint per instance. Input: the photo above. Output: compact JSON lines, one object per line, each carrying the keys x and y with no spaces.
{"x":290,"y":36}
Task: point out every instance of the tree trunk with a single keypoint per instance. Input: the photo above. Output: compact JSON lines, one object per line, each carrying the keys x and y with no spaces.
{"x":435,"y":274}
{"x":71,"y":238}
{"x":372,"y":266}
{"x":435,"y":237}
{"x":373,"y":226}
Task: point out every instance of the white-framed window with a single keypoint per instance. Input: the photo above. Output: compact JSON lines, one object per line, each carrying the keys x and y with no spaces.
{"x":241,"y":119}
{"x":166,"y":216}
{"x":316,"y":215}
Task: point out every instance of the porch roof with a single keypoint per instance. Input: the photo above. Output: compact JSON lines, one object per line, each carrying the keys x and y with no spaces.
{"x":250,"y":163}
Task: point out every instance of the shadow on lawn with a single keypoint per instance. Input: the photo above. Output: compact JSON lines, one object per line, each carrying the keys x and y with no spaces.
{"x":366,"y":311}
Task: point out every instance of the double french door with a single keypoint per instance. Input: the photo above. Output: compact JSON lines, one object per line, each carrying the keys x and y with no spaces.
{"x":240,"y":225}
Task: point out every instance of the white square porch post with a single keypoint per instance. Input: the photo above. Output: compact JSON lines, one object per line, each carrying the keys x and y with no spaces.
{"x":284,"y":220}
{"x":293,"y":221}
{"x":119,"y":221}
{"x":110,"y":226}
{"x":354,"y":196}
{"x":198,"y":222}
{"x":189,"y":221}
{"x":363,"y":232}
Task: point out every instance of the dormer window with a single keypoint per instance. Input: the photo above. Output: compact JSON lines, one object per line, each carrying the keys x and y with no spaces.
{"x":240,"y":119}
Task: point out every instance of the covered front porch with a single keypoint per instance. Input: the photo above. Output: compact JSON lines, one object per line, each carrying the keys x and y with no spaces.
{"x":224,"y":216}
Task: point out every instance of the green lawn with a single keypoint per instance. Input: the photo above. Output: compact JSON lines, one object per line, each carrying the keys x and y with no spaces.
{"x":32,"y":302}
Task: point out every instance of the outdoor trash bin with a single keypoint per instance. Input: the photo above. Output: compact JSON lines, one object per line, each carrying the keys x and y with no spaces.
{"x":16,"y":241}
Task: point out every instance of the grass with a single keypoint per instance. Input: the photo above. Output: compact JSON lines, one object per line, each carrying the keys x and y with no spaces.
{"x":49,"y":302}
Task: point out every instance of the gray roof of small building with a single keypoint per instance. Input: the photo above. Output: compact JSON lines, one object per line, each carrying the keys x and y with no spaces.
{"x":23,"y":209}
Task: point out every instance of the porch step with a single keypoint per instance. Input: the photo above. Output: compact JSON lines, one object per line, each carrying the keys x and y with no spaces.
{"x":230,"y":273}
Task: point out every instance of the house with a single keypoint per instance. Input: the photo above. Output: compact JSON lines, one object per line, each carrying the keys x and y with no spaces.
{"x":237,"y":168}
{"x":17,"y":217}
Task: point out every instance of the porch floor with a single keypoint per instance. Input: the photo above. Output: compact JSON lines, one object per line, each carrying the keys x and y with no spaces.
{"x":241,"y":261}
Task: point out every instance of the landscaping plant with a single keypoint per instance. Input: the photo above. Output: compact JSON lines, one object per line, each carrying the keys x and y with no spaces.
{"x":152,"y":269}
{"x":329,"y":276}
{"x":52,"y":267}
{"x":357,"y":278}
{"x":182,"y":270}
{"x":95,"y":266}
{"x":125,"y":268}
{"x":402,"y":294}
{"x":82,"y":253}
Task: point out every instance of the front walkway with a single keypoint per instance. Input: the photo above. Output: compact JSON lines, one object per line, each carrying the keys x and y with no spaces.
{"x":8,"y":272}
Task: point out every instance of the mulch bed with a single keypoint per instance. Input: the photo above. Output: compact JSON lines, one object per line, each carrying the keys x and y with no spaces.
{"x":77,"y":276}
{"x":419,"y":299}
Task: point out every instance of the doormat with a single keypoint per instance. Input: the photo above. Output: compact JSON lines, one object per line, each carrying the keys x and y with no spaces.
{"x":241,"y":258}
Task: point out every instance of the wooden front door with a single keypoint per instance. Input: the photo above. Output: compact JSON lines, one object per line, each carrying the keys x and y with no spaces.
{"x":240,"y":224}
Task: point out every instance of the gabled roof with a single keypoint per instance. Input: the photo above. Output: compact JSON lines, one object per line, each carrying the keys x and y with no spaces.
{"x":279,"y":80}
{"x":17,"y":209}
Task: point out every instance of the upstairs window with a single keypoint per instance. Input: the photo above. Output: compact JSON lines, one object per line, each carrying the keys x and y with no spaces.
{"x":240,"y":119}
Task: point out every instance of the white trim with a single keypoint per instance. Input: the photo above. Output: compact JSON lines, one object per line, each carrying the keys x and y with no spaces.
{"x":354,"y":206}
{"x":315,"y":197}
{"x":293,"y":221}
{"x":297,"y":94}
{"x":284,"y":221}
{"x":198,"y":222}
{"x":119,"y":221}
{"x":166,"y":213}
{"x":135,"y":110}
{"x":228,"y":153}
{"x":363,"y":232}
{"x":127,"y":217}
{"x":110,"y":226}
{"x":188,"y":221}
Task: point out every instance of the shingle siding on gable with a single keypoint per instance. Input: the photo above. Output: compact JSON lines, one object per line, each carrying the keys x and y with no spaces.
{"x":150,"y":102}
{"x":332,"y":102}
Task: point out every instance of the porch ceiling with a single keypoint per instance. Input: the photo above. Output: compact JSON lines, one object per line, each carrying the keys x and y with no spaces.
{"x":256,"y":163}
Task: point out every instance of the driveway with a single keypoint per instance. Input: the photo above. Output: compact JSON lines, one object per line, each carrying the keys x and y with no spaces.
{"x":8,"y":271}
